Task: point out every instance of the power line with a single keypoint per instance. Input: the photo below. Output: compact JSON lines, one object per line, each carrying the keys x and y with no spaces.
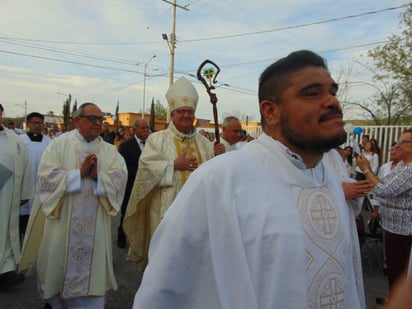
{"x":177,"y":71}
{"x":68,"y":61}
{"x":82,"y":43}
{"x":216,"y":37}
{"x":292,"y":27}
{"x":62,"y":51}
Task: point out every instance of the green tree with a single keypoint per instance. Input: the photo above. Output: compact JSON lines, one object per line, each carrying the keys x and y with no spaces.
{"x":152,"y":116}
{"x":66,"y":112}
{"x":74,"y":107}
{"x":160,"y":110}
{"x":394,"y":59}
{"x":384,"y":107}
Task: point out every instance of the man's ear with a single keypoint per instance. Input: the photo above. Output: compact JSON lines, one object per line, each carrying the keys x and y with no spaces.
{"x":76,"y":120}
{"x":270,"y":112}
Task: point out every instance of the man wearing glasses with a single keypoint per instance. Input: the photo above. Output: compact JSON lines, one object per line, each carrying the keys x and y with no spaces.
{"x":35,"y":143}
{"x":265,"y":226}
{"x":80,"y":186}
{"x":168,"y":159}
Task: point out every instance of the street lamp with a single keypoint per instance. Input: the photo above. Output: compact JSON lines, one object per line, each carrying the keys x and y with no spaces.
{"x":144,"y":83}
{"x":171,"y":46}
{"x":25,"y":113}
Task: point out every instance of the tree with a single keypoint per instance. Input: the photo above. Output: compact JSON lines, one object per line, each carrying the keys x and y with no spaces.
{"x":74,"y":107}
{"x":66,"y":113}
{"x":394,"y":58}
{"x":391,"y":103}
{"x":160,"y":110}
{"x":385,"y":106}
{"x":152,"y":116}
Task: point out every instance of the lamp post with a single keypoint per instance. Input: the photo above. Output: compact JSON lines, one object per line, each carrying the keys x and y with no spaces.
{"x":172,"y":46}
{"x":144,"y":83}
{"x":25,"y":113}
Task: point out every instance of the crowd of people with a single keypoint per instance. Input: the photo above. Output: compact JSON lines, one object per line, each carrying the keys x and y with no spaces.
{"x":232,"y":224}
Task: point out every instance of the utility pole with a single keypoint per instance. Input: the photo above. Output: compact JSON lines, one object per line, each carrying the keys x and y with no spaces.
{"x":172,"y":42}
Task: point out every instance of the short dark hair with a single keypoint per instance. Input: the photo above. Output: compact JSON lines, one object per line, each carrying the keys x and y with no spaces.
{"x":34,"y":114}
{"x":272,"y":81}
{"x":1,"y":108}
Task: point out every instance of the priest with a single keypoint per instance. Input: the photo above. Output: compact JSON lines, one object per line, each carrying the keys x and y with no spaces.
{"x":266,"y":226}
{"x":16,"y":187}
{"x":80,"y":187}
{"x":168,"y":159}
{"x":35,"y":143}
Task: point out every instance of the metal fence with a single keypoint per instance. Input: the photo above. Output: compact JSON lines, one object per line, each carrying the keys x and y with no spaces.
{"x":384,"y":135}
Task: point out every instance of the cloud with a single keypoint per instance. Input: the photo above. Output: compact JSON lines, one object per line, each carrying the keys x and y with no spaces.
{"x":114,"y":74}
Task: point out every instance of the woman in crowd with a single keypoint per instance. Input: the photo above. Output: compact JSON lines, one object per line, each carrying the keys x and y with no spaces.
{"x":395,"y":196}
{"x":122,"y":137}
{"x":347,"y":155}
{"x":369,"y":153}
{"x":378,"y":150}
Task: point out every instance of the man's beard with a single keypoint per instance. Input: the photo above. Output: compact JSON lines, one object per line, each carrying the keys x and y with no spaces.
{"x":311,"y":145}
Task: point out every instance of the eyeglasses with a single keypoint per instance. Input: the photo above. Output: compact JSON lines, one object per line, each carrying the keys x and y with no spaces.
{"x":36,"y":123}
{"x":93,"y":118}
{"x":184,"y":111}
{"x":403,"y":141}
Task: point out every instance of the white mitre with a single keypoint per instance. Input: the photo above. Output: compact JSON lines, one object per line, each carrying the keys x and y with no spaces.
{"x":182,"y":93}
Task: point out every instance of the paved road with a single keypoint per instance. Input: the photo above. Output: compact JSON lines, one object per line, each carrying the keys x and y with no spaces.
{"x":25,"y":295}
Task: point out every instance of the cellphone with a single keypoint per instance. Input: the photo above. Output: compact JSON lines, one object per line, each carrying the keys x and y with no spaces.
{"x":355,"y":154}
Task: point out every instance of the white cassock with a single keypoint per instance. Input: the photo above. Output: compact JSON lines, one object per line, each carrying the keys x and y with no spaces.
{"x":334,"y":160}
{"x":35,"y":151}
{"x":228,"y":146}
{"x":15,"y":185}
{"x":250,"y":229}
{"x":69,"y":230}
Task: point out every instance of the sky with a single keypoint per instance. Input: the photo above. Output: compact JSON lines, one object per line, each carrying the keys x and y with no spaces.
{"x":98,"y":50}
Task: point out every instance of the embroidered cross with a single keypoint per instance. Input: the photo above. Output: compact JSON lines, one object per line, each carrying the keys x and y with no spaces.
{"x":324,"y":216}
{"x":83,"y":226}
{"x":189,"y":149}
{"x":332,"y":294}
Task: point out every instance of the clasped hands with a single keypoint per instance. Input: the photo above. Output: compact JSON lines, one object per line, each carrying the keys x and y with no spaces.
{"x":89,"y":167}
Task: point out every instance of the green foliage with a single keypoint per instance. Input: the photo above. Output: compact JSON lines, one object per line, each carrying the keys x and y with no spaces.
{"x":395,"y":56}
{"x":394,"y":60}
{"x":152,"y":116}
{"x":116,"y":113}
{"x":74,"y":107}
{"x":66,"y":112}
{"x":209,"y":72}
{"x":160,"y":110}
